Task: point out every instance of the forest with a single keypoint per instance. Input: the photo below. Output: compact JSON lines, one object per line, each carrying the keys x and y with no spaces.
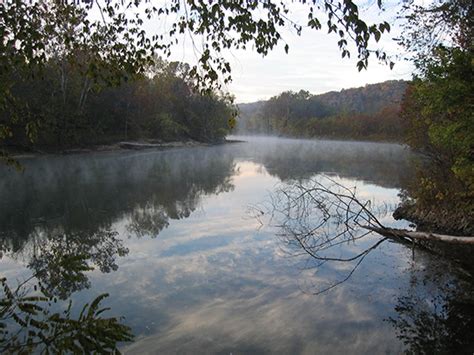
{"x":66,"y":82}
{"x":70,"y":110}
{"x":370,"y":112}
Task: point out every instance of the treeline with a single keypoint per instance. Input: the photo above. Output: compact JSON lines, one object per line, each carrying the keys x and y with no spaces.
{"x":67,"y":81}
{"x":368,"y":99}
{"x":60,"y":106}
{"x":438,"y":109}
{"x":370,"y":112}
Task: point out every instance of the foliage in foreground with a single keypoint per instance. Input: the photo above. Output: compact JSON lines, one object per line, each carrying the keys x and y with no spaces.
{"x":28,"y":325}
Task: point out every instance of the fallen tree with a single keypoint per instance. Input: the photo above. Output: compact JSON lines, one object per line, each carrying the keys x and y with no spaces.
{"x":426,"y":236}
{"x":327,"y":221}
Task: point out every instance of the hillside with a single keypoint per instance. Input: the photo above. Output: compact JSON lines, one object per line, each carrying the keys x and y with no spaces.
{"x":367,"y":99}
{"x":348,"y":113}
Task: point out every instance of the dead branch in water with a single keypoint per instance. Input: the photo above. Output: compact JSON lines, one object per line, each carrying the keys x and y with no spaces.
{"x":327,"y":221}
{"x":403,"y":233}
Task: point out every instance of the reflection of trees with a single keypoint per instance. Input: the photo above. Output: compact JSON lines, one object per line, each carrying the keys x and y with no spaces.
{"x":59,"y":266}
{"x":435,"y":315}
{"x":325,"y":222}
{"x":387,"y":165}
{"x":148,"y":221}
{"x":88,"y":193}
{"x":61,"y":261}
{"x":182,"y":197}
{"x":57,"y":218}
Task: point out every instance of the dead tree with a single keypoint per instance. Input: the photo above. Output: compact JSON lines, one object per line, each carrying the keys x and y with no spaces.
{"x":320,"y":218}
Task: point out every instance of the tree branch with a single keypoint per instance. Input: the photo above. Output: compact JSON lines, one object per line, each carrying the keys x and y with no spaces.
{"x":403,"y":233}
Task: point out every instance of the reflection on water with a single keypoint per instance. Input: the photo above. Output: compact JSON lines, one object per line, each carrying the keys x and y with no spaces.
{"x":435,"y":311}
{"x":166,"y":234}
{"x":325,"y":221}
{"x":87,"y":193}
{"x":60,"y":262}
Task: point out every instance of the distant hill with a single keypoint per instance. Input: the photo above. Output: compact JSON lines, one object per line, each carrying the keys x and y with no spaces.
{"x":248,"y":109}
{"x":367,"y":99}
{"x":303,"y":114}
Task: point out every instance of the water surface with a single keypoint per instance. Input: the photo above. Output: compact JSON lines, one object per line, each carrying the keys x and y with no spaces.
{"x":189,"y":268}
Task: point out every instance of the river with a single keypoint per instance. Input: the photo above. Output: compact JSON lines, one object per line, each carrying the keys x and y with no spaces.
{"x":176,"y":240}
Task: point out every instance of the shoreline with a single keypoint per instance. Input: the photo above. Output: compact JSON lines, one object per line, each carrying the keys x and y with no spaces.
{"x":150,"y":144}
{"x":435,"y":220}
{"x":124,"y":146}
{"x":328,"y":138}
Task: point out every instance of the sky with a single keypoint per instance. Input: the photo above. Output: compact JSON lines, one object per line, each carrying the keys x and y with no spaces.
{"x":313,"y":63}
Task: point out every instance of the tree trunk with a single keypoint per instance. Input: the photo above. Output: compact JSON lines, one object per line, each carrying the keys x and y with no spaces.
{"x":403,"y":233}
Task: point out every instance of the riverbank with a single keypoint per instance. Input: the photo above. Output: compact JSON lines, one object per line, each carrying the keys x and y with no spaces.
{"x":21,"y":153}
{"x":345,"y":138}
{"x":437,"y":220}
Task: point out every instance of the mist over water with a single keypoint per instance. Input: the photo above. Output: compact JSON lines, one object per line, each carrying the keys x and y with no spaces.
{"x":191,"y":270}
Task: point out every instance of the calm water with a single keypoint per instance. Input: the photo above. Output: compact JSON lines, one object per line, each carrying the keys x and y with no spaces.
{"x":173,"y":240}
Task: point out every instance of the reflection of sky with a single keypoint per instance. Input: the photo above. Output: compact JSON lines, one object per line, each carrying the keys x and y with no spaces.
{"x":217,"y":282}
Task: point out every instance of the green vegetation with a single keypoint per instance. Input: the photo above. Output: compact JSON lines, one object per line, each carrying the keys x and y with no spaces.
{"x":370,"y":112}
{"x":438,"y":110}
{"x":162,"y":105}
{"x":66,"y":81}
{"x":28,"y":325}
{"x":63,"y":107}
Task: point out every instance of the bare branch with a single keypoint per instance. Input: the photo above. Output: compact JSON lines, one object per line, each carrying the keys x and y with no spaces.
{"x":326,"y":221}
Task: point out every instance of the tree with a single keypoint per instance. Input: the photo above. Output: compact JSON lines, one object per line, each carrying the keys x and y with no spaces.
{"x":58,"y":41}
{"x":438,"y":110}
{"x":328,"y":222}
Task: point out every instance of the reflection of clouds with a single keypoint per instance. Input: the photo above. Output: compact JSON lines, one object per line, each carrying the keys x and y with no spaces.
{"x":227,"y":288}
{"x":247,"y":170}
{"x":271,"y":323}
{"x":210,"y":280}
